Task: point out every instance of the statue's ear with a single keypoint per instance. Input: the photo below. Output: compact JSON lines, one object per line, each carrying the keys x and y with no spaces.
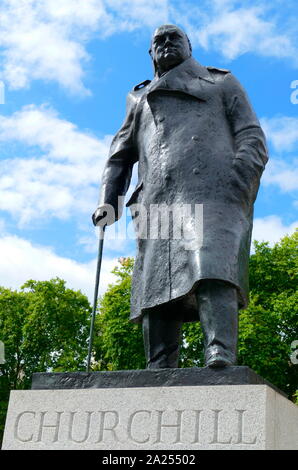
{"x":153,"y":61}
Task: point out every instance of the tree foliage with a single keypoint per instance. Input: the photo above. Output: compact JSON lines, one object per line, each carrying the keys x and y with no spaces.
{"x":270,"y":324}
{"x":44,"y":327}
{"x":266,"y":328}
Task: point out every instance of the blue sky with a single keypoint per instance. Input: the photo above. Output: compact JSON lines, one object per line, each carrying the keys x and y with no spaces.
{"x":67,"y":66}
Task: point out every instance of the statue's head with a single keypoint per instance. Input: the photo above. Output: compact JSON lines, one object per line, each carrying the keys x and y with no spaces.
{"x":169,"y":47}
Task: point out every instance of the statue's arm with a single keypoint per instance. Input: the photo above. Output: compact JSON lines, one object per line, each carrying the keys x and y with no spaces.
{"x":250,"y":141}
{"x":118,"y":168}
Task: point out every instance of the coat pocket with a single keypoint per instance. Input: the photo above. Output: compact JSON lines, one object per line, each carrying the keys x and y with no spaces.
{"x":245,"y":179}
{"x":135,"y":193}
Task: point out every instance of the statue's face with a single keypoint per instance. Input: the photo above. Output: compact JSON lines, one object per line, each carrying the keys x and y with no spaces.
{"x":169,"y":47}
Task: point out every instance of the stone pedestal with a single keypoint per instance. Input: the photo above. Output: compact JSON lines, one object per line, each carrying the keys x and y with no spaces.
{"x":172,"y":417}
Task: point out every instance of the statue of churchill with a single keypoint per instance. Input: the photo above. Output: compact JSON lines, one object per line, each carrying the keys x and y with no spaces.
{"x":198,"y":142}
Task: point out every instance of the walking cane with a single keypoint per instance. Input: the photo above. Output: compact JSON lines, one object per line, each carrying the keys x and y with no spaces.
{"x":99,"y":258}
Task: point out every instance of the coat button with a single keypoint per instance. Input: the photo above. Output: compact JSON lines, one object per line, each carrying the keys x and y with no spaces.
{"x":195,"y":138}
{"x":167,"y":177}
{"x":162,"y":118}
{"x":196,"y":171}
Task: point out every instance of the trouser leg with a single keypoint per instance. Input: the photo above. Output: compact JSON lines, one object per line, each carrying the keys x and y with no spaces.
{"x":218,"y":311}
{"x":161,"y":335}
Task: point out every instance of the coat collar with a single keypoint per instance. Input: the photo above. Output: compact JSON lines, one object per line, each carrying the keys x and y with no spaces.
{"x":185,"y":77}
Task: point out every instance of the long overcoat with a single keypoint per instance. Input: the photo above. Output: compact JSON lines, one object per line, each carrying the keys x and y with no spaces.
{"x":197,"y":141}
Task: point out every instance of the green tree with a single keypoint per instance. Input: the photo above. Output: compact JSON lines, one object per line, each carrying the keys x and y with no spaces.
{"x":270,"y":324}
{"x":267,"y":327}
{"x":44,"y":327}
{"x":118,"y":343}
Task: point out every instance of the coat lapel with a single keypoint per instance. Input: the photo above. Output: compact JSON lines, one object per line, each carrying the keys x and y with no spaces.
{"x":188,"y":77}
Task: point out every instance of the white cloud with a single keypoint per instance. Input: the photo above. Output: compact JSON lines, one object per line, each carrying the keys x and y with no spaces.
{"x":46,"y":39}
{"x":282,"y":174}
{"x":21,"y":260}
{"x":41,"y":126}
{"x":38,"y":45}
{"x":234,"y":28}
{"x":271,"y":229}
{"x":63,"y":180}
{"x":132,"y":14}
{"x":281,"y":131}
{"x":74,"y":12}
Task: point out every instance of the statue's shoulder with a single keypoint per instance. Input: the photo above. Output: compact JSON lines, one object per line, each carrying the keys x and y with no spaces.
{"x":217,"y":70}
{"x":136,"y":93}
{"x":217,"y":73}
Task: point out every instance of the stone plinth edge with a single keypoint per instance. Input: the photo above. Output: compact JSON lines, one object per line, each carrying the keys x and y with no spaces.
{"x":205,"y":376}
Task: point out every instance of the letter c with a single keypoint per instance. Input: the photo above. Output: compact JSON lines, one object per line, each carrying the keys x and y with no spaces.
{"x":16,"y":428}
{"x":131,"y":418}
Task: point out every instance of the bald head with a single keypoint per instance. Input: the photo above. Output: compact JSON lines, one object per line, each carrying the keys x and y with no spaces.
{"x":169,"y":47}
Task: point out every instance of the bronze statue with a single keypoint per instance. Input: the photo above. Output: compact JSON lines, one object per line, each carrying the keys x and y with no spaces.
{"x":197,"y":142}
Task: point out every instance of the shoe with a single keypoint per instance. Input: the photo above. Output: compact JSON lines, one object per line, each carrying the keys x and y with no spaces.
{"x":219,"y":357}
{"x":217,"y":361}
